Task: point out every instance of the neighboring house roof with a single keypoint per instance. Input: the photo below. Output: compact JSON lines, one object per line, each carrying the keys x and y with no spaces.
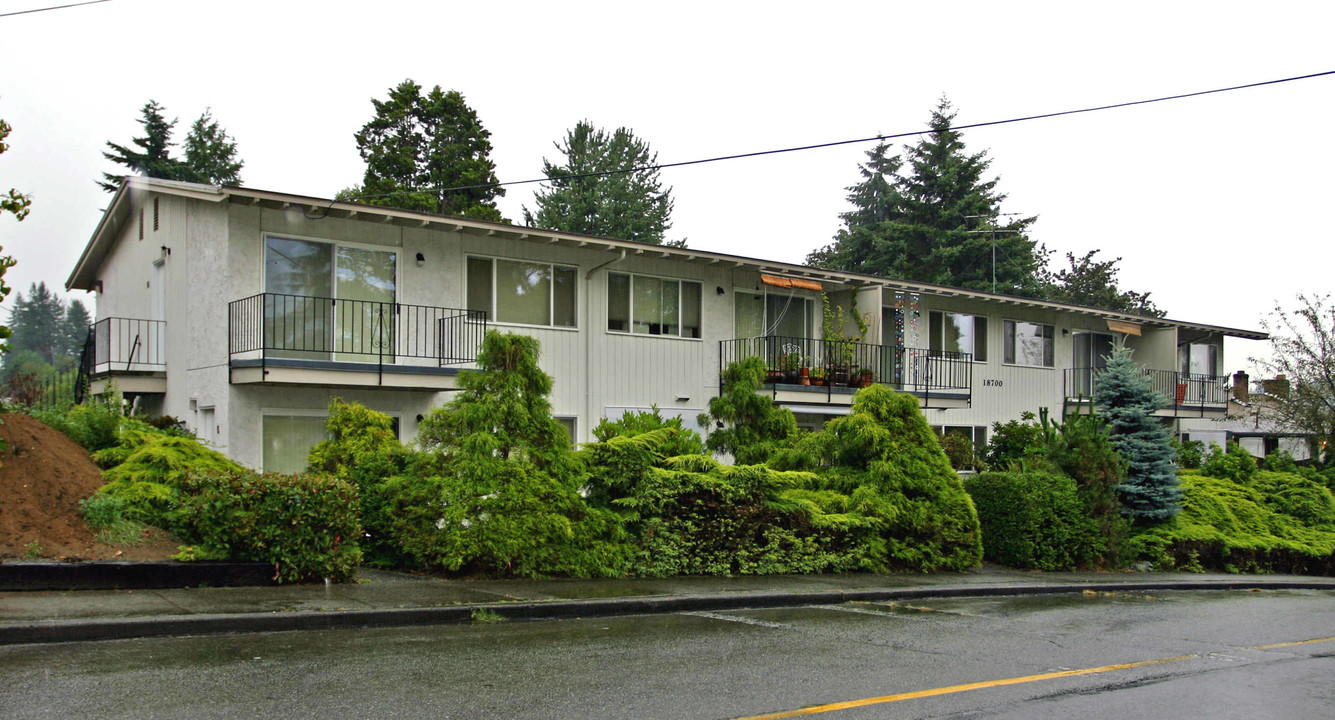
{"x":134,"y":188}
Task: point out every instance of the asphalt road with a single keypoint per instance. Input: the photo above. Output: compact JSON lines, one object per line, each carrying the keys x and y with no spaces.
{"x":1268,"y":654}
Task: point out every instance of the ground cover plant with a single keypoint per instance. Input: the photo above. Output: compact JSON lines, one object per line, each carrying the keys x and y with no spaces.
{"x":1034,"y":520}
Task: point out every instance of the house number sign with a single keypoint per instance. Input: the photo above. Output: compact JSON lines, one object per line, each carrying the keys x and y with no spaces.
{"x":991,"y":383}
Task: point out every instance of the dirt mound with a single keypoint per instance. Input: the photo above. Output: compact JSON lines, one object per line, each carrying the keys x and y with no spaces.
{"x":43,"y":476}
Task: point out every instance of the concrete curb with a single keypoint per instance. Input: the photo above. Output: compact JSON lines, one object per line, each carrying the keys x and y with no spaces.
{"x":116,"y":575}
{"x":213,"y":624}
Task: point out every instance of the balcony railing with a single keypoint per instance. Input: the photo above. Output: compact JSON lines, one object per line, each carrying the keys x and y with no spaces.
{"x":127,"y":345}
{"x":274,"y":325}
{"x":839,"y":363}
{"x":1189,"y":390}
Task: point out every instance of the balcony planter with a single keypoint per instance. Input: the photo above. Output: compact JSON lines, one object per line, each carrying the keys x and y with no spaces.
{"x":804,"y":376}
{"x":1181,"y":392}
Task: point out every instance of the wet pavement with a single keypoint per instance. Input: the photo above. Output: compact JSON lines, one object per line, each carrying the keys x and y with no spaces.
{"x":386,"y":599}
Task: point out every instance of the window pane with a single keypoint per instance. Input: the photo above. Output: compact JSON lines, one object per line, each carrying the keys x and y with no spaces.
{"x":669,"y":309}
{"x":296,"y":272}
{"x":1029,"y":344}
{"x":980,"y":339}
{"x":298,"y":267}
{"x":288,"y":440}
{"x":647,"y":306}
{"x":523,"y":292}
{"x":1008,"y":341}
{"x":934,"y":332}
{"x":690,"y":310}
{"x":479,"y":286}
{"x":364,"y":316}
{"x":749,"y":315}
{"x":786,"y":316}
{"x":618,"y":302}
{"x":563,"y":296}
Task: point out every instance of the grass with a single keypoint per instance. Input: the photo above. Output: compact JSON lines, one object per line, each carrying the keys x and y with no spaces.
{"x":483,"y":615}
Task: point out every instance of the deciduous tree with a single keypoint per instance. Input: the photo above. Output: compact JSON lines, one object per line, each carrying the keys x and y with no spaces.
{"x":606,"y":186}
{"x":1302,"y":342}
{"x":427,"y":153}
{"x":16,"y":204}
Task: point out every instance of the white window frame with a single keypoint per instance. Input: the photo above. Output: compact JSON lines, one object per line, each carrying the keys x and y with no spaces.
{"x":396,"y":249}
{"x":631,"y":305}
{"x":551,"y":294}
{"x":1010,"y":333}
{"x":973,"y":351}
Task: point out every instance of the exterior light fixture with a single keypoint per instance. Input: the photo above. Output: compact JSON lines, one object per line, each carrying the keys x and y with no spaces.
{"x":421,"y":259}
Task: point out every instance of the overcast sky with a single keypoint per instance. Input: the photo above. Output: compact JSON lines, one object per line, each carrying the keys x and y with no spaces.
{"x":1218,"y":205}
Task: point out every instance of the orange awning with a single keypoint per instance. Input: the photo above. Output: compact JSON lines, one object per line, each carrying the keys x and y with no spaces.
{"x":784,"y":282}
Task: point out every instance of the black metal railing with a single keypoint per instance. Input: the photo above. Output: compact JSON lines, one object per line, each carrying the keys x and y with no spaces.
{"x":365,"y":331}
{"x":843,"y":363}
{"x":126,"y":344}
{"x":1179,"y":389}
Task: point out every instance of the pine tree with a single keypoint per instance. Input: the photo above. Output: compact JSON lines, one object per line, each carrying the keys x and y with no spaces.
{"x":1123,"y":394}
{"x":74,"y":328}
{"x":607,"y":186}
{"x":38,"y":323}
{"x":941,"y":224}
{"x":211,"y":153}
{"x":427,"y":153}
{"x":153,"y":158}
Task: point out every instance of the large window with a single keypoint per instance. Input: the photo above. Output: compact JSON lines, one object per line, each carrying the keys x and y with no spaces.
{"x":525,"y":293}
{"x":773,"y":314}
{"x":645,"y":305}
{"x":954,"y":332}
{"x":288,"y":440}
{"x":1027,"y":344}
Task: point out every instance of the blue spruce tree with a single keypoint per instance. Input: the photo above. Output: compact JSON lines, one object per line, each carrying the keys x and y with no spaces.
{"x":1124,"y":396}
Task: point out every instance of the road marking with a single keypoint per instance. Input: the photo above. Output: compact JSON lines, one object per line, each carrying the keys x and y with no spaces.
{"x":1291,"y":644}
{"x":739,"y":619}
{"x":831,"y":707}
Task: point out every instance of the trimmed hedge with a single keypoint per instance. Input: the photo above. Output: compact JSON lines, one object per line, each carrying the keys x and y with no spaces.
{"x":1034,"y":520}
{"x":305,"y":526}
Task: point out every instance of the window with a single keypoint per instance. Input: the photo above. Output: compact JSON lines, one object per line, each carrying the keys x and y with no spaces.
{"x":773,"y":315}
{"x":644,"y":305}
{"x":288,"y":439}
{"x":1198,"y":358}
{"x":524,"y":293}
{"x":1027,"y":344}
{"x":570,"y":424}
{"x":957,"y":333}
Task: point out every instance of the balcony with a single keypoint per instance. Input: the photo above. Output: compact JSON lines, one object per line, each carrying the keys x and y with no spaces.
{"x":836,"y":369}
{"x":302,"y":340}
{"x":130,"y":353}
{"x":1185,"y":394}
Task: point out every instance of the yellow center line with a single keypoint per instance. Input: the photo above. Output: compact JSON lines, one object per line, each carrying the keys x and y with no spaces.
{"x":831,"y":707}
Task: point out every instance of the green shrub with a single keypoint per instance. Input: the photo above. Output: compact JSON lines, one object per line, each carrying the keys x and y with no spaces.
{"x":683,"y":440}
{"x":886,"y":459}
{"x":744,"y":423}
{"x":363,"y":449}
{"x":1236,"y":464}
{"x":1034,"y":520}
{"x":1233,"y":526}
{"x":1016,"y":441}
{"x":959,"y":451}
{"x":102,"y":511}
{"x":1081,"y":448}
{"x":305,"y":526}
{"x":1190,"y":454}
{"x":1279,"y":461}
{"x":1297,"y":496}
{"x":95,"y":425}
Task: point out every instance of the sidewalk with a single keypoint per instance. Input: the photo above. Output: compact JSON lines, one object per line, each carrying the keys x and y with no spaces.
{"x":384,"y":599}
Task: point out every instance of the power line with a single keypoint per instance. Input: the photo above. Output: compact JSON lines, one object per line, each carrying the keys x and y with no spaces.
{"x":855,"y":141}
{"x":55,"y":7}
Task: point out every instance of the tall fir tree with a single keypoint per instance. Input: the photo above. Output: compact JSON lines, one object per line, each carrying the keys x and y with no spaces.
{"x":607,"y":186}
{"x":38,"y":323}
{"x":941,"y":224}
{"x":427,"y":153}
{"x":210,"y":153}
{"x":1124,"y":396}
{"x":74,"y":328}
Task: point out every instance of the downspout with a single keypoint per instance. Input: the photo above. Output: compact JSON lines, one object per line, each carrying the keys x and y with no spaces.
{"x":588,"y":340}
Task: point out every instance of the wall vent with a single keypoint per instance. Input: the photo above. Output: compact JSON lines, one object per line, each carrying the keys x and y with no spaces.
{"x":155,"y":214}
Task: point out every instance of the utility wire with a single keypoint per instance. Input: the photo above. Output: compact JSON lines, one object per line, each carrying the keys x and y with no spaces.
{"x":837,"y":143}
{"x":55,"y":7}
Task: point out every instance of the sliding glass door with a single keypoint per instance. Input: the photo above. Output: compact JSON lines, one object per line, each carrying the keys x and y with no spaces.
{"x":325,"y":301}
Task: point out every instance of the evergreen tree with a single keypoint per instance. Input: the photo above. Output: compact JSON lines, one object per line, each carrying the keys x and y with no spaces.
{"x":1124,"y":396}
{"x":17,"y":204}
{"x":939,"y":223}
{"x":427,"y":153}
{"x":38,"y":323}
{"x":607,"y":186}
{"x":751,"y":426}
{"x":1092,"y":283}
{"x":501,"y":492}
{"x":74,"y":329}
{"x":210,"y":153}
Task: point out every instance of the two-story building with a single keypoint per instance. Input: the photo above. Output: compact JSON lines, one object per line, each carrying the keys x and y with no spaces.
{"x":243,"y":311}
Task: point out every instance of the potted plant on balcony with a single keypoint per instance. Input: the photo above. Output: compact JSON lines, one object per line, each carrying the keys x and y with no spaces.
{"x":840,"y":343}
{"x":865,"y":375}
{"x":817,"y":376}
{"x":804,"y":376}
{"x":790,"y":363}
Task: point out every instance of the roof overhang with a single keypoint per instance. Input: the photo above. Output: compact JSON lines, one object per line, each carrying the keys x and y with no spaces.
{"x":134,"y":190}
